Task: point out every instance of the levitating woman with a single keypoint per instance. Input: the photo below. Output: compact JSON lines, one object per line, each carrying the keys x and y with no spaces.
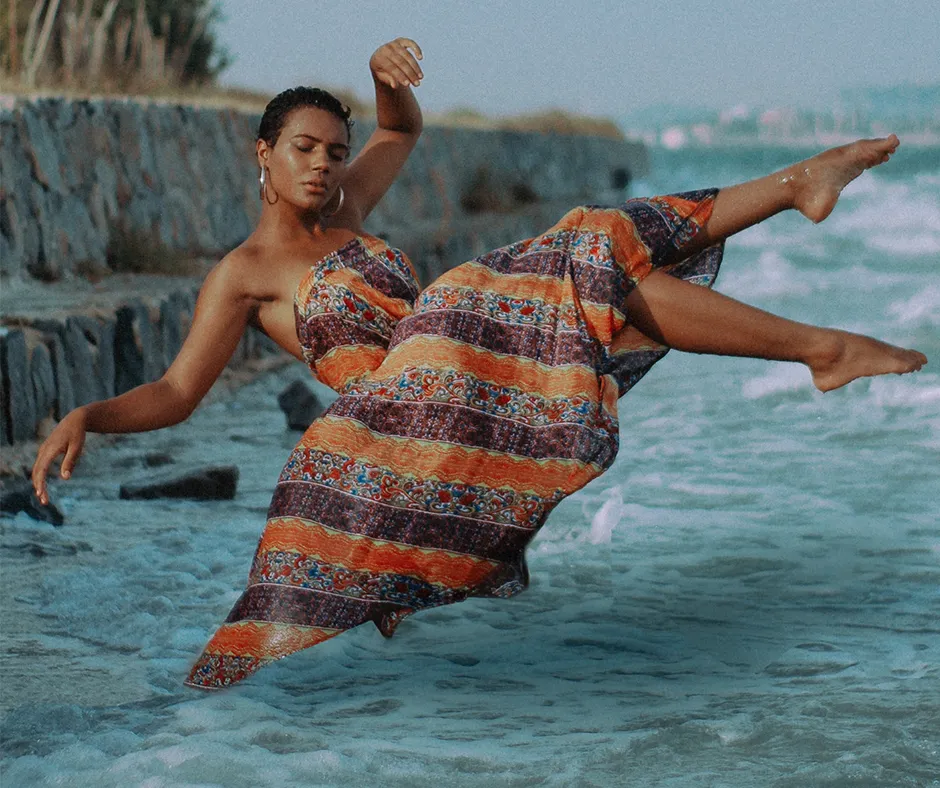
{"x":468,"y":410}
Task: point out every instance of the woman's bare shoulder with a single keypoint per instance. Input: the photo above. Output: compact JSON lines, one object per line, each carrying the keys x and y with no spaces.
{"x":237,"y":272}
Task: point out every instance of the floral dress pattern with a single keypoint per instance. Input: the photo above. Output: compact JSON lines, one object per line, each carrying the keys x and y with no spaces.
{"x":466,"y":413}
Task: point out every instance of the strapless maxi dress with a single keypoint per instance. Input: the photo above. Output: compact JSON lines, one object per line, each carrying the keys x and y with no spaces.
{"x":466,"y":413}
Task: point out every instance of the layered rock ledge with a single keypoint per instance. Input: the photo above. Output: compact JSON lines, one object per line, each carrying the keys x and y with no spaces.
{"x":93,"y":188}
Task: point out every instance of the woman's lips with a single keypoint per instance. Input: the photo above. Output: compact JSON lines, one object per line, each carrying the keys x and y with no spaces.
{"x":314,"y":187}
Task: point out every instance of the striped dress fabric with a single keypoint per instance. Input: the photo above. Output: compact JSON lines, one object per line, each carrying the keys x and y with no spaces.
{"x":466,"y":413}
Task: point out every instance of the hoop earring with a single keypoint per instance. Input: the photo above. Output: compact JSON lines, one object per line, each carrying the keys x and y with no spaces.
{"x":263,"y":187}
{"x":339,"y":206}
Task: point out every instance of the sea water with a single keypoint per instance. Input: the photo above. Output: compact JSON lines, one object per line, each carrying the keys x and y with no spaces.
{"x":748,"y":598}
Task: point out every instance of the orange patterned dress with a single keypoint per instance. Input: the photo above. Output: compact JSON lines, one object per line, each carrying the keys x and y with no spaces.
{"x":466,"y":413}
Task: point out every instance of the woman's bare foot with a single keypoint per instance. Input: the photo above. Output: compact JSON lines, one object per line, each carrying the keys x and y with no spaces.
{"x":818,"y":182}
{"x":842,"y":357}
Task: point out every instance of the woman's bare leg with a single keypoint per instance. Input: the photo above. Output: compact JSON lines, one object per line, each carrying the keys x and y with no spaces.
{"x":812,"y":187}
{"x":692,"y":318}
{"x":689,"y":317}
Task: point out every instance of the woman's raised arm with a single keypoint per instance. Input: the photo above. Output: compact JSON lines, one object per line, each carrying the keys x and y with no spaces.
{"x":220,"y":317}
{"x":395,"y":70}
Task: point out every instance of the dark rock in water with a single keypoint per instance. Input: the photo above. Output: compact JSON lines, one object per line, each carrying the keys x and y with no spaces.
{"x":300,"y":405}
{"x":17,"y":496}
{"x":811,"y":659}
{"x":154,"y":459}
{"x":216,"y":483}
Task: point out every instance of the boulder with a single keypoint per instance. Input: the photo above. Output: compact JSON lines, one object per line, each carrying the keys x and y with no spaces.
{"x":19,"y":407}
{"x":300,"y":405}
{"x":64,"y":392}
{"x":136,"y":355}
{"x":4,"y":421}
{"x":42,"y":378}
{"x":210,"y":483}
{"x":17,"y":496}
{"x":40,"y":144}
{"x":171,"y":329}
{"x":90,"y":358}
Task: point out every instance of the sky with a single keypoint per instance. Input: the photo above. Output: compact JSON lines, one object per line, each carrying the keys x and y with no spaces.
{"x":600,"y":57}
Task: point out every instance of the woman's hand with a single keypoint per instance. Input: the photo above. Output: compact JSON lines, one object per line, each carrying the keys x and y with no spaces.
{"x":396,"y":64}
{"x":67,"y":438}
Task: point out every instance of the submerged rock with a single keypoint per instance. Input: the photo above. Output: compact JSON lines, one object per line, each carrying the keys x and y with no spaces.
{"x":17,"y":496}
{"x":811,"y":659}
{"x":211,"y":483}
{"x":300,"y":405}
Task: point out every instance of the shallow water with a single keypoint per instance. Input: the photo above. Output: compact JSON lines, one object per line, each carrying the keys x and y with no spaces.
{"x":749,"y":597}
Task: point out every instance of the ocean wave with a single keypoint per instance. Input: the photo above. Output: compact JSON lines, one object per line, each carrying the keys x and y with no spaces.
{"x":922,"y":308}
{"x":607,"y":517}
{"x":908,"y":392}
{"x":773,"y":275}
{"x":892,"y":207}
{"x":927,"y":179}
{"x":781,"y":378}
{"x":904,"y":244}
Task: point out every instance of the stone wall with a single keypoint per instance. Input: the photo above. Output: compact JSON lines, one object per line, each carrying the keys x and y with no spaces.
{"x":84,"y":185}
{"x":52,"y":364}
{"x":80,"y":179}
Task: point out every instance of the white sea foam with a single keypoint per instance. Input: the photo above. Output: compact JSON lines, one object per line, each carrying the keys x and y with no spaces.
{"x":922,"y":308}
{"x":759,"y":236}
{"x":781,"y":378}
{"x":772,"y":275}
{"x":913,"y":245}
{"x":893,"y":207}
{"x":867,"y":184}
{"x":901,"y":392}
{"x":929,"y":179}
{"x":607,"y":517}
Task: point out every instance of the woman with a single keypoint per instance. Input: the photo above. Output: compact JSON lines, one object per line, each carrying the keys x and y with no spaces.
{"x":466,"y":413}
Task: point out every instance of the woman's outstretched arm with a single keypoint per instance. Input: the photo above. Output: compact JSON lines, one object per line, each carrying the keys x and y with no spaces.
{"x":220,"y":317}
{"x":395,"y":70}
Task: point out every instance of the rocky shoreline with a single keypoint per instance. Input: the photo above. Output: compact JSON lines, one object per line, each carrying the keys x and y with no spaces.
{"x":55,"y":360}
{"x":112,"y":211}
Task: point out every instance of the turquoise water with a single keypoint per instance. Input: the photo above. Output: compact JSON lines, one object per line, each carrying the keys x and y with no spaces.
{"x":749,"y":597}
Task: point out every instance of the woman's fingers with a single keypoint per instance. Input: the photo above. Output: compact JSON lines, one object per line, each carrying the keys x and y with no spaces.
{"x":399,"y":70}
{"x":396,"y":63}
{"x":408,"y":66}
{"x":40,"y":469}
{"x":411,"y":53}
{"x":412,"y":45}
{"x":68,"y":444}
{"x":71,"y":458}
{"x":385,"y":78}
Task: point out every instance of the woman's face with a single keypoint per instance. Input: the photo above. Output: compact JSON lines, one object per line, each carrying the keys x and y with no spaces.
{"x":308,"y":161}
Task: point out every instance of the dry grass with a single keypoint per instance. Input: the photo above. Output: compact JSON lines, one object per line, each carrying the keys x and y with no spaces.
{"x":556,"y":121}
{"x":241,"y":99}
{"x":553,"y":121}
{"x":137,"y":252}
